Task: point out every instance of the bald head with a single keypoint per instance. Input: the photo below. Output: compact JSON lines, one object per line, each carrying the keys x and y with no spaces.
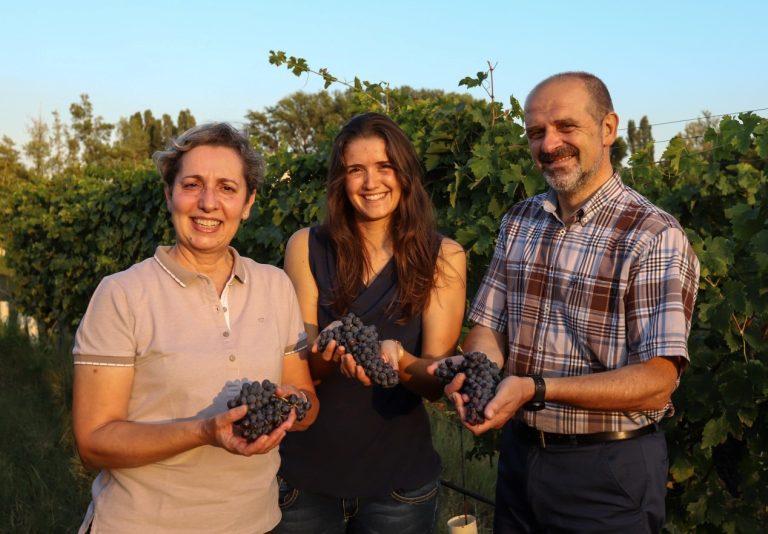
{"x":600,"y":98}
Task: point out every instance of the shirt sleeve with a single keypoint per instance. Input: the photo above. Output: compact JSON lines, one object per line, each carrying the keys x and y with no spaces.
{"x":661,"y":297}
{"x":489,"y":308}
{"x":105,"y":335}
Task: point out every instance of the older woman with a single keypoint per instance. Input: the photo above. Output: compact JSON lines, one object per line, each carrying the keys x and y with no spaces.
{"x":368,"y":464}
{"x":164,"y":345}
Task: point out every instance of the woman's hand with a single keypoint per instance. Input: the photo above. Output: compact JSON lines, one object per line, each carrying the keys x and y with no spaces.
{"x":390,"y":351}
{"x":221,"y":433}
{"x":333,"y":351}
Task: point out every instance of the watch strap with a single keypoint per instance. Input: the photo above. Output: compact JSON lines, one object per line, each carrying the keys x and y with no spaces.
{"x":537,"y":402}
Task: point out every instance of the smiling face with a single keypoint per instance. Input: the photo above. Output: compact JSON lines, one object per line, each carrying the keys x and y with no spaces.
{"x":208,"y":200}
{"x":568,"y":143}
{"x":371,"y":181}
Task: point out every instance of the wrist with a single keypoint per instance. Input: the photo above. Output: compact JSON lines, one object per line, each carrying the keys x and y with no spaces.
{"x":539,"y":392}
{"x":400,"y":351}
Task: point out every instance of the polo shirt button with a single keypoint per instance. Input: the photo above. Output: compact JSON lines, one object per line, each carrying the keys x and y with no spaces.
{"x":232,"y":358}
{"x":226,"y":334}
{"x":540,"y":348}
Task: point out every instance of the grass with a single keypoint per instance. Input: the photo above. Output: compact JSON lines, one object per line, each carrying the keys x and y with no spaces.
{"x":44,"y":487}
{"x":476,"y":474}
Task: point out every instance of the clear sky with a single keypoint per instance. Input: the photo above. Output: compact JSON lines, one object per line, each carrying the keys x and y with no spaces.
{"x":668,"y":60}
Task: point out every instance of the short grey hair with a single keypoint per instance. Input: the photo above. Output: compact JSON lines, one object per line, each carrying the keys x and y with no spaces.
{"x":223,"y":134}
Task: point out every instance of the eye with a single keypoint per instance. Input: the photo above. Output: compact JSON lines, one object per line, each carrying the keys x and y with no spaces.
{"x":535,"y":134}
{"x":354,"y":171}
{"x":190,"y":185}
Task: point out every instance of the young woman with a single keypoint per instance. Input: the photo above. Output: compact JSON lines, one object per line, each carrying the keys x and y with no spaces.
{"x":367,"y":464}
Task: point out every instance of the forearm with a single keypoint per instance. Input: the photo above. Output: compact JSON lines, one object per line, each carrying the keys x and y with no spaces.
{"x":414,"y":376}
{"x":311,"y":415}
{"x":120,"y":444}
{"x":488,"y":341}
{"x":639,"y":387}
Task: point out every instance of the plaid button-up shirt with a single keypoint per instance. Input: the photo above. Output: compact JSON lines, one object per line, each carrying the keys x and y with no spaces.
{"x":613,"y":287}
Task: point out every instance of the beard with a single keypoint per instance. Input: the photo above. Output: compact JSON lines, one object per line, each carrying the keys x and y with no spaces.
{"x":570,"y":180}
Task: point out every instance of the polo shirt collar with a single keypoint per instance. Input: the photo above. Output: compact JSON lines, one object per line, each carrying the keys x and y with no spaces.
{"x":609,"y":192}
{"x":184,"y":277}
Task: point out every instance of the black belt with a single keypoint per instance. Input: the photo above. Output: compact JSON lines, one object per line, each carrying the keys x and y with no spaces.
{"x":548,"y":438}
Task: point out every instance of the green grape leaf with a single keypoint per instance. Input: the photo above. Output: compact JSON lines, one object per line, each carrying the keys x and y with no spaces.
{"x":714,"y":433}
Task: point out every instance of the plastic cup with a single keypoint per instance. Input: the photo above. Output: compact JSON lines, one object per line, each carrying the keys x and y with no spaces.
{"x":462,"y":524}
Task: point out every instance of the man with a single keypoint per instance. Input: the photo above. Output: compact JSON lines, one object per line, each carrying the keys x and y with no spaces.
{"x":587,"y":304}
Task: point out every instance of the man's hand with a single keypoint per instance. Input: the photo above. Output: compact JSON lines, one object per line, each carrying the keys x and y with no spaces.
{"x":511,"y":394}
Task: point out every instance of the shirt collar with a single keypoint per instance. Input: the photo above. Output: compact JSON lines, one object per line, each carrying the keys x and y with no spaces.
{"x":184,"y":277}
{"x":610,"y":191}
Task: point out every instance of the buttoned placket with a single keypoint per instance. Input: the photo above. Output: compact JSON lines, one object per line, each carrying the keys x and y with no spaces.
{"x":220,"y":305}
{"x":554,"y":246}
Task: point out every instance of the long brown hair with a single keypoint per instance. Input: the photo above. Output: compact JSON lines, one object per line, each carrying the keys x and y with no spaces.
{"x":412,"y":228}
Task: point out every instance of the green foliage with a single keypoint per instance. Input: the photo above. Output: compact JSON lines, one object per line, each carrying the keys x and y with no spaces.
{"x":717,"y":438}
{"x":64,"y":235}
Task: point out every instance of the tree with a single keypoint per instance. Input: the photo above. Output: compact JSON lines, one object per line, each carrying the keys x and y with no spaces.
{"x":185,"y":121}
{"x":92,"y":134}
{"x":38,"y":149}
{"x":300,"y":121}
{"x":9,"y":163}
{"x":694,"y":132}
{"x":640,"y":138}
{"x":140,"y":135}
{"x":133,"y":140}
{"x":618,"y":152}
{"x":62,"y":156}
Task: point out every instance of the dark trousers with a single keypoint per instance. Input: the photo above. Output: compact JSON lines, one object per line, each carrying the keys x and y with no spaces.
{"x":616,"y":486}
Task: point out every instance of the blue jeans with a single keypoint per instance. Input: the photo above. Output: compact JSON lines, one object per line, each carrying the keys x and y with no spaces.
{"x":400,"y":512}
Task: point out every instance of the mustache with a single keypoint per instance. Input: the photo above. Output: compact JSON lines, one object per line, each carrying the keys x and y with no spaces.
{"x":560,"y":152}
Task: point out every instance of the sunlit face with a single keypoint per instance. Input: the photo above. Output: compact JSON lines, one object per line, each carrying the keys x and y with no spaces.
{"x":567,"y":143}
{"x":209,"y":199}
{"x":371,"y":182}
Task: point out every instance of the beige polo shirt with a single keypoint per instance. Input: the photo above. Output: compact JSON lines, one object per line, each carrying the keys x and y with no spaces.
{"x":191,"y":351}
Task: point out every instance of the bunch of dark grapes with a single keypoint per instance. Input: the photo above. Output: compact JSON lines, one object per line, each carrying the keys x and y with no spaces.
{"x":266,"y":411}
{"x":362,"y":342}
{"x":482,"y":377}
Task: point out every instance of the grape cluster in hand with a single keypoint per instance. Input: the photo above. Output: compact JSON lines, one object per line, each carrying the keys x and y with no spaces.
{"x":482,"y":377}
{"x":363,"y":343}
{"x":266,"y":411}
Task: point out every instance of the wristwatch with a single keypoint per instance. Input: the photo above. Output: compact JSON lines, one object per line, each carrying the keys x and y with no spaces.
{"x":537,"y":402}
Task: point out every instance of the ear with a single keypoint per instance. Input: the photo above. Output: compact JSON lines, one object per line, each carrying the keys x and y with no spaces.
{"x":610,"y":128}
{"x":248,"y":206}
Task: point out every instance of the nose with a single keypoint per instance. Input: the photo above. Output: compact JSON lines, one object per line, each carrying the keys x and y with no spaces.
{"x":551,"y":140}
{"x":372,"y":179}
{"x":207,"y":199}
